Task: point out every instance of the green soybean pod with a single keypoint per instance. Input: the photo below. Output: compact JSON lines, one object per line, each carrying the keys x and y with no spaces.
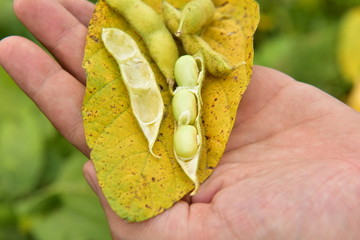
{"x":171,"y":17}
{"x":186,"y":71}
{"x":150,"y":26}
{"x":194,"y":16}
{"x":184,"y":107}
{"x":185,"y":141}
{"x":216,"y":63}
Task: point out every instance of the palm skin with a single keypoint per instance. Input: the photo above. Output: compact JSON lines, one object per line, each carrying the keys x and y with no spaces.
{"x":290,"y":170}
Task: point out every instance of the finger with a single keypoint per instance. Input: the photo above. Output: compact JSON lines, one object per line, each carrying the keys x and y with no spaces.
{"x":264,"y":85}
{"x":81,"y":9}
{"x":276,"y":105}
{"x":172,"y":224}
{"x":60,"y":32}
{"x":58,"y":95}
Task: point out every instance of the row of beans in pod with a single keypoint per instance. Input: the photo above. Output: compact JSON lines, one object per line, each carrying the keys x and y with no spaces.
{"x":186,"y":107}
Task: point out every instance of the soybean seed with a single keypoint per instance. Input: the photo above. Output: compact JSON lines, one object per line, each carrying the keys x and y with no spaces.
{"x":186,"y":71}
{"x":184,"y":107}
{"x":185,"y":141}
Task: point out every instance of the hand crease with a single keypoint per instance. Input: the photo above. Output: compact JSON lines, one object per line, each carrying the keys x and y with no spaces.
{"x":50,"y":75}
{"x":225,"y":221}
{"x":63,"y":36}
{"x":273,"y":135}
{"x":275,"y":95}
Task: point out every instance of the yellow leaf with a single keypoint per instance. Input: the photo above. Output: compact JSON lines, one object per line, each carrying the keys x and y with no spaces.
{"x":354,"y":97}
{"x":349,"y":45}
{"x":137,"y":185}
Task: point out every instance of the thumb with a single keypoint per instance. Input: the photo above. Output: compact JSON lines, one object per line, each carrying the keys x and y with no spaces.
{"x":90,"y":176}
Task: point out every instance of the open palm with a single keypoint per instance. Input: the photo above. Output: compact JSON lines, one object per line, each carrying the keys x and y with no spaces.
{"x":291,"y":169}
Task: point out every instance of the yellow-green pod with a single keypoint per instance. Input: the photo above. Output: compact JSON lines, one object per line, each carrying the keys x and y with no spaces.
{"x":194,"y":16}
{"x":171,"y":17}
{"x":184,"y":107}
{"x":185,"y":141}
{"x":186,"y":71}
{"x":216,"y":63}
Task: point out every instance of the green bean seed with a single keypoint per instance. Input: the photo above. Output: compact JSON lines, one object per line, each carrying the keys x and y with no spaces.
{"x":185,"y":141}
{"x":186,"y":71}
{"x":184,"y":107}
{"x":150,"y":26}
{"x":194,"y":16}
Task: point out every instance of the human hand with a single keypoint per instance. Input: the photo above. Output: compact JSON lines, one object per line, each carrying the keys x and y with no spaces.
{"x":291,"y":168}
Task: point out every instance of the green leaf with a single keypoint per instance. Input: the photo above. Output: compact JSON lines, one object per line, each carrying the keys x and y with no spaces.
{"x":66,"y":223}
{"x":76,"y":194}
{"x":9,"y":23}
{"x":23,"y":132}
{"x":66,"y":209}
{"x":80,"y":215}
{"x":313,"y":51}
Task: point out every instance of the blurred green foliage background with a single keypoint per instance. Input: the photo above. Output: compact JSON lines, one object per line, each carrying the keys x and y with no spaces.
{"x":301,"y":37}
{"x":42,"y":191}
